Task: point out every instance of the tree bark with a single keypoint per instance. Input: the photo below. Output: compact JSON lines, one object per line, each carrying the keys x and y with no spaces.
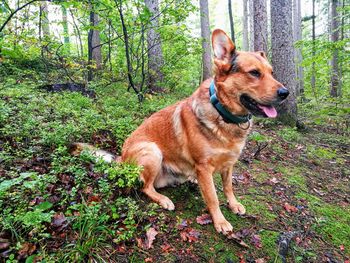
{"x":335,"y":80}
{"x":155,"y":54}
{"x":205,"y":33}
{"x":297,"y":37}
{"x":44,"y":17}
{"x":251,"y":25}
{"x":313,"y":78}
{"x":282,"y":56}
{"x":260,"y":26}
{"x":245,"y":42}
{"x":232,"y":25}
{"x":65,"y":26}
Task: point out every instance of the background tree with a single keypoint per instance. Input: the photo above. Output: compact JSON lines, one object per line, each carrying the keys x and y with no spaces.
{"x":335,"y":73}
{"x":297,"y":31}
{"x":232,"y":25}
{"x":205,"y":33}
{"x":245,"y":40}
{"x":260,"y":26}
{"x":283,"y":56}
{"x":94,"y":47}
{"x":65,"y":27}
{"x":251,"y":24}
{"x":155,"y":54}
{"x":44,"y":20}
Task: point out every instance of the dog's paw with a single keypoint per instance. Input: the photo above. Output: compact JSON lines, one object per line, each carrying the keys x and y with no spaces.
{"x":223,"y":226}
{"x":237,"y":208}
{"x":166,"y":203}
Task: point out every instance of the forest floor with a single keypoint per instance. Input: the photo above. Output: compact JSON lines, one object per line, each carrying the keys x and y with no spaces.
{"x":54,"y":207}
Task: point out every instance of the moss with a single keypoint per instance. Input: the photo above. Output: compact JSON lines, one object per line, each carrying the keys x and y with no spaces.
{"x":332,"y":221}
{"x":269,"y":245}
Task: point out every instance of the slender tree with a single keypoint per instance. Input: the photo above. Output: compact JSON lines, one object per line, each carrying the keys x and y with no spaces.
{"x":44,"y":18}
{"x":335,"y":80}
{"x":297,"y":37}
{"x":94,"y":47}
{"x":245,"y":26}
{"x":260,"y":26}
{"x":313,"y":78}
{"x":251,"y":25}
{"x":155,"y":54}
{"x":65,"y":25}
{"x":232,"y":25}
{"x":205,"y":33}
{"x":283,"y":56}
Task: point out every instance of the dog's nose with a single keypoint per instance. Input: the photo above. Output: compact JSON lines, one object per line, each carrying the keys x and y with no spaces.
{"x":282,"y":93}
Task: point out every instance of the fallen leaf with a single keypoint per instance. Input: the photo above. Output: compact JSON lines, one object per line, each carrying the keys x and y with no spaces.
{"x":290,"y":208}
{"x":260,"y":260}
{"x":190,"y":235}
{"x":273,"y":181}
{"x":204,"y":219}
{"x":166,"y":248}
{"x":148,"y":259}
{"x":26,"y":250}
{"x":342,"y":248}
{"x":4,"y":244}
{"x":235,"y":238}
{"x":58,"y":220}
{"x":256,"y":240}
{"x":150,"y":237}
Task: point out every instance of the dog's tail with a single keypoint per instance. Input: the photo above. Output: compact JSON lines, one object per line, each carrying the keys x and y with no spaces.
{"x":77,"y":147}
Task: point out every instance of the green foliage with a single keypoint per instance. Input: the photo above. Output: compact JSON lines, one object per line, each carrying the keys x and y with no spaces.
{"x":289,"y":134}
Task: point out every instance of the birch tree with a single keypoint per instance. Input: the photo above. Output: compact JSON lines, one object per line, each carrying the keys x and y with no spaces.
{"x":232,"y":25}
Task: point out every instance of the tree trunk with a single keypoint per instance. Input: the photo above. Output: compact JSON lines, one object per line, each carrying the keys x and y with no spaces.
{"x":335,"y":80}
{"x":297,"y":37}
{"x":155,"y":54}
{"x":232,"y":25}
{"x":44,"y":17}
{"x":205,"y":33}
{"x":245,"y":42}
{"x":65,"y":26}
{"x":94,"y":47}
{"x":260,"y":26}
{"x":313,"y":78}
{"x":282,"y":56}
{"x":251,"y":25}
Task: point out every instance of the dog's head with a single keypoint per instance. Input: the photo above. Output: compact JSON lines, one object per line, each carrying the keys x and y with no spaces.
{"x":244,"y":80}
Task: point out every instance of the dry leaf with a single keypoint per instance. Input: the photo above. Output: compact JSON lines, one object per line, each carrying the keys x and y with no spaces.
{"x":204,"y":219}
{"x":290,"y":208}
{"x":150,"y":237}
{"x":235,"y":238}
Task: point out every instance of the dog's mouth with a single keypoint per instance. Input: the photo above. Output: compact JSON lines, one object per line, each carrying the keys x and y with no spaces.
{"x":258,"y":109}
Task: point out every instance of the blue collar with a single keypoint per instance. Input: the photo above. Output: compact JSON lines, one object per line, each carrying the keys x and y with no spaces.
{"x":227,"y":116}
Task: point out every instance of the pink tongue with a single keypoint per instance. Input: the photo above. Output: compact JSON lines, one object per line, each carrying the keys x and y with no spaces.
{"x":269,"y":111}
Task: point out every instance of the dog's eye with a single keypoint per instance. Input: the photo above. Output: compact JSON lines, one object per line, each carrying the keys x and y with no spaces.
{"x":255,"y":73}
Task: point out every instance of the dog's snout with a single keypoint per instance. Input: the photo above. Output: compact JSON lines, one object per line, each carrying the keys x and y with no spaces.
{"x":282,"y":93}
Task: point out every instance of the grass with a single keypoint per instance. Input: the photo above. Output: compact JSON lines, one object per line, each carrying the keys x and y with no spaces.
{"x":79,"y":209}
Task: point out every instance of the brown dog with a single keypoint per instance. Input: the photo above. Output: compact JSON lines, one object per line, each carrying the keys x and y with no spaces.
{"x":206,"y":132}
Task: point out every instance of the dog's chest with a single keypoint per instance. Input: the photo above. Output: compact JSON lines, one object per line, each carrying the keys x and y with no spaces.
{"x":222,"y":157}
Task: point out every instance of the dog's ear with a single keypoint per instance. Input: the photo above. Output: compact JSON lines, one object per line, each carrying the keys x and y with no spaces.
{"x":262,"y":53}
{"x":224,"y":48}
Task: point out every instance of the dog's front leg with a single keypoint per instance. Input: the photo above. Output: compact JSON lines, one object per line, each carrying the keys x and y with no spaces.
{"x":206,"y":184}
{"x":233,"y":204}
